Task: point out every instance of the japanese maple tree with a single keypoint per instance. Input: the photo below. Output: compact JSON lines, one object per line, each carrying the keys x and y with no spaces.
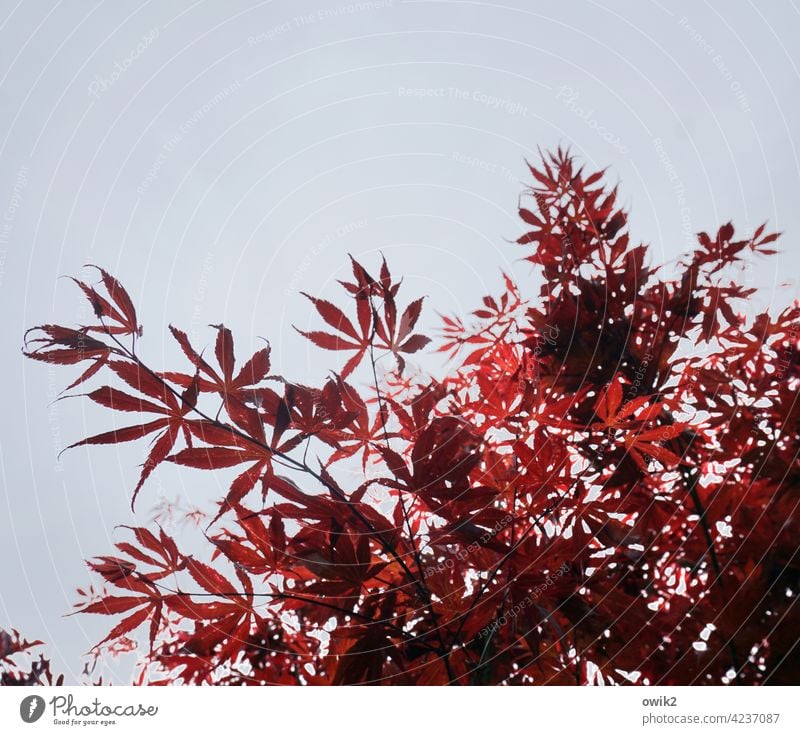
{"x":602,"y":488}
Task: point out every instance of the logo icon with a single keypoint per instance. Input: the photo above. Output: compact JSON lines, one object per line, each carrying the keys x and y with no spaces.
{"x":31,"y":708}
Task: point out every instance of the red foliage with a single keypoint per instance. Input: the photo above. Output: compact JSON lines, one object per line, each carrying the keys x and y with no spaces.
{"x":18,"y":667}
{"x":603,"y":488}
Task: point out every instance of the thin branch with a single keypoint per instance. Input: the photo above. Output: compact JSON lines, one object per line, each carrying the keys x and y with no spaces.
{"x":499,"y":566}
{"x":335,"y":491}
{"x":287,"y":596}
{"x":445,"y":651}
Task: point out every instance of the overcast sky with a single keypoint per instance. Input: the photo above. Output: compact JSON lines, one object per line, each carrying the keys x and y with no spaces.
{"x":220,"y":157}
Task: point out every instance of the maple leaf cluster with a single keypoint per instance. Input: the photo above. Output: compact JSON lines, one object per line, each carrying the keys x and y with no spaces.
{"x":602,"y":489}
{"x":17,"y":665}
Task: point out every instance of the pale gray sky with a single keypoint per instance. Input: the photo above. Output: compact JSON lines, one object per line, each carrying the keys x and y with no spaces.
{"x":219,"y":157}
